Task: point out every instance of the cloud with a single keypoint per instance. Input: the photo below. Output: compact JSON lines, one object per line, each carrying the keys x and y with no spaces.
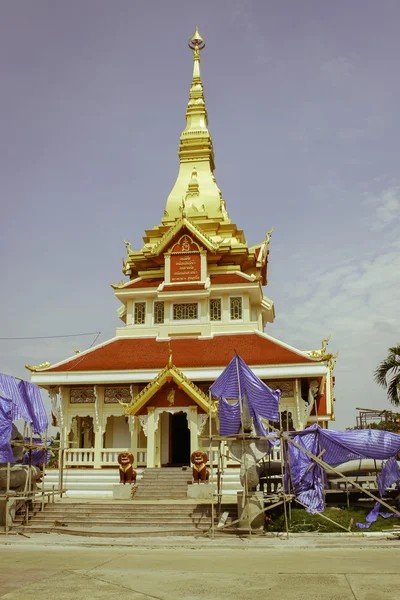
{"x":356,"y":299}
{"x":387,"y":208}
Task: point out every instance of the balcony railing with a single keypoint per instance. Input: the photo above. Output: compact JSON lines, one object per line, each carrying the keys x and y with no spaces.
{"x":79,"y":456}
{"x":109,"y":457}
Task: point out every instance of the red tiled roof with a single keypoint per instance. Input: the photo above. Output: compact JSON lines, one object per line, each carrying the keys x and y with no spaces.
{"x":147,"y":353}
{"x":143,"y":283}
{"x":228,"y":278}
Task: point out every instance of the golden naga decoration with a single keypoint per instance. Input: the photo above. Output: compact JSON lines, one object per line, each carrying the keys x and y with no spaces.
{"x":76,"y":350}
{"x":268,"y":235}
{"x":322,"y":353}
{"x":128,"y":245}
{"x":34,"y":368}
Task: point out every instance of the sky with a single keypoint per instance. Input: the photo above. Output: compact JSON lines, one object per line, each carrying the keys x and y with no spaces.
{"x":302,"y":99}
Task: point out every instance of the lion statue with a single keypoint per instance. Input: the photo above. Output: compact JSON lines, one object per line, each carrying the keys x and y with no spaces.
{"x":126,"y":472}
{"x":200,"y":472}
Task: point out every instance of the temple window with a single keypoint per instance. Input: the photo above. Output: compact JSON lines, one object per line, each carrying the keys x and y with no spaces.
{"x":236,"y":310}
{"x":183,"y":312}
{"x":215,"y":309}
{"x":158,"y":313}
{"x":140,"y":313}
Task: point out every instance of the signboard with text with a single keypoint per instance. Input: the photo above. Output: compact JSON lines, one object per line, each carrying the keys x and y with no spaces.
{"x":185,"y":261}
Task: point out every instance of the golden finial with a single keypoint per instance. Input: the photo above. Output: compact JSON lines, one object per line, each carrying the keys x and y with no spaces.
{"x":196,"y":42}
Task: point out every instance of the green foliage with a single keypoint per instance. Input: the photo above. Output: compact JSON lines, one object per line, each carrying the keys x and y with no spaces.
{"x":393,"y":426}
{"x":387,"y":375}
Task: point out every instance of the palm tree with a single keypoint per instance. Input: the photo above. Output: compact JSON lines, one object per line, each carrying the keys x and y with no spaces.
{"x":390,"y":368}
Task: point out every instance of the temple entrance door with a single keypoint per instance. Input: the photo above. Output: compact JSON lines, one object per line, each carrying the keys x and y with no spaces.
{"x":179,"y":440}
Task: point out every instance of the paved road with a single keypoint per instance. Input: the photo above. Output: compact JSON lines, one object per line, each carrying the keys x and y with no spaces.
{"x":326,"y":568}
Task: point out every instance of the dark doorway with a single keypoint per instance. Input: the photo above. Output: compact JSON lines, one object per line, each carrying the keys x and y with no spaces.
{"x":180,"y":440}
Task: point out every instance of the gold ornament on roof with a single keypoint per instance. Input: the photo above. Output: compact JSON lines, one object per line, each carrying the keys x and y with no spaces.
{"x":170,"y":363}
{"x":76,"y":350}
{"x":34,"y":368}
{"x":128,"y":245}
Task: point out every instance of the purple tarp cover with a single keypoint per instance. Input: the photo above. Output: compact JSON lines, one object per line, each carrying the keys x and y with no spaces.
{"x":31,"y":407}
{"x":307,"y":477}
{"x":338,"y":447}
{"x":27,"y":402}
{"x":19,"y":400}
{"x":6,"y":454}
{"x":261,"y":400}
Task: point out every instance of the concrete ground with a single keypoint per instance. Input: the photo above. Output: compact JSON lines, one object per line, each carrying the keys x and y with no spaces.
{"x":326,"y":567}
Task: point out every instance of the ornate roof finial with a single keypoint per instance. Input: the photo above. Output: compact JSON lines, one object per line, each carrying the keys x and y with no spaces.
{"x":196,"y":40}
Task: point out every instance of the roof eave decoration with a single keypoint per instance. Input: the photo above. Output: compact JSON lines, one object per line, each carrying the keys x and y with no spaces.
{"x":117,"y":286}
{"x":36,"y":368}
{"x":169,"y":372}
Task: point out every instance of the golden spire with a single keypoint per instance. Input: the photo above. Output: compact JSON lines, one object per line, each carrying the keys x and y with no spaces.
{"x":196,"y":150}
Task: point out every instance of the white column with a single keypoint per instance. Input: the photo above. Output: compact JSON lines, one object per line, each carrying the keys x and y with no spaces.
{"x":297,"y":392}
{"x":98,"y":434}
{"x":134,"y":428}
{"x":157,"y":458}
{"x":203,"y":266}
{"x":167,"y":267}
{"x":64,"y":401}
{"x":151,"y":447}
{"x":194,"y":442}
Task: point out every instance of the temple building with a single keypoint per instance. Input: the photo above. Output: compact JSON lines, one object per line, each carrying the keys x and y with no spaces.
{"x":192,"y":296}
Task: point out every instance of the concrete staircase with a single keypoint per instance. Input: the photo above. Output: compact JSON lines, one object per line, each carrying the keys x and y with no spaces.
{"x":167,"y":483}
{"x":121,"y":519}
{"x":86,"y":483}
{"x":98,"y":483}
